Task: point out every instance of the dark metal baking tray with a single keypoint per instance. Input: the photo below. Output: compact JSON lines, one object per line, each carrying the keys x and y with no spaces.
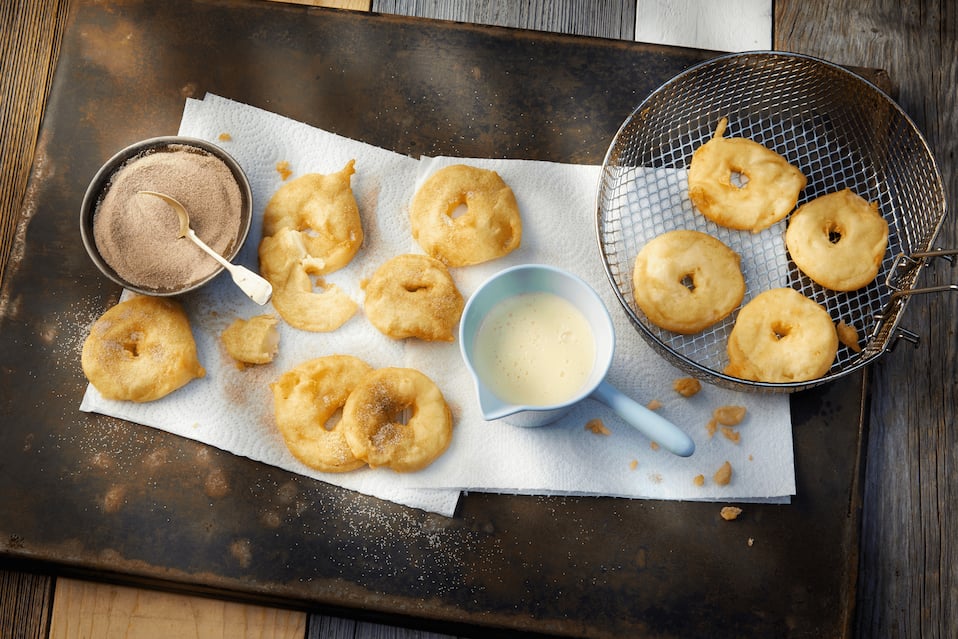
{"x":82,"y":493}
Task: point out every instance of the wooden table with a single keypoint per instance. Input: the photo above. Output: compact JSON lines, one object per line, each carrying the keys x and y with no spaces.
{"x":908,"y":567}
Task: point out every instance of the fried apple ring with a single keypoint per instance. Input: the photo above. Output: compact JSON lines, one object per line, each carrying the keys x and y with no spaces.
{"x":838,"y":240}
{"x":305,"y":400}
{"x":140,"y":350}
{"x":322,"y":210}
{"x":781,"y":336}
{"x":414,"y":296}
{"x":488,"y":229}
{"x":685,"y":281}
{"x":769,"y":193}
{"x":303,"y":304}
{"x":374,"y":428}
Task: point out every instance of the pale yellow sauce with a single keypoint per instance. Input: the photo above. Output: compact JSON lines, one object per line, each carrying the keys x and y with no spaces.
{"x":534,"y":349}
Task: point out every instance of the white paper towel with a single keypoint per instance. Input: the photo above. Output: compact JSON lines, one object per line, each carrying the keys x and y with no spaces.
{"x":232,"y":409}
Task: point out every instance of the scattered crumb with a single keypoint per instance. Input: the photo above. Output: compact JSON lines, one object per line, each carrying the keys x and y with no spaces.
{"x":848,"y":335}
{"x":633,"y":464}
{"x":723,"y":475}
{"x":687,"y":386}
{"x":655,"y":478}
{"x":225,"y":137}
{"x":729,"y":415}
{"x":654,"y":405}
{"x":730,"y":513}
{"x":282,"y":167}
{"x":654,"y":445}
{"x":699,"y":480}
{"x":711,"y":427}
{"x":731,"y":434}
{"x":750,"y":458}
{"x":597,"y":427}
{"x":750,"y":542}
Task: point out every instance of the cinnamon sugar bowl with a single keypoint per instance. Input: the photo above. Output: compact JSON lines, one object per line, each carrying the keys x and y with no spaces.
{"x":134,"y":239}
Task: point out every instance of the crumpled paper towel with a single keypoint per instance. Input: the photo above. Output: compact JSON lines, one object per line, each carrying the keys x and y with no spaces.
{"x":232,"y":409}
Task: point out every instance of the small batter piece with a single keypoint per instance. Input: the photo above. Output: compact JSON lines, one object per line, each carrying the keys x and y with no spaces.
{"x":838,"y":240}
{"x":140,"y":350}
{"x":781,"y":336}
{"x":769,"y":190}
{"x":685,"y":281}
{"x":489,"y":228}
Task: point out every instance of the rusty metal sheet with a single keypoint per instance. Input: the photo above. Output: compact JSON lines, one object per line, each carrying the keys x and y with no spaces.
{"x":95,"y":495}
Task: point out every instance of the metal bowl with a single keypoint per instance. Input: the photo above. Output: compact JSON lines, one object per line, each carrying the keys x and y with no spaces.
{"x":100,"y":185}
{"x":839,"y":129}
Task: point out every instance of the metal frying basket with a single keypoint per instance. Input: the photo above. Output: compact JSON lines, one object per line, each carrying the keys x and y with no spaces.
{"x":840,"y":130}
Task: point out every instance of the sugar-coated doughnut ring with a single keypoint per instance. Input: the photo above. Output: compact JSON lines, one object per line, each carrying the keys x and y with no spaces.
{"x":322,"y":210}
{"x":306,"y":399}
{"x":781,"y":336}
{"x":489,"y":228}
{"x":140,"y":350}
{"x":414,"y":296}
{"x":685,"y":281}
{"x":838,"y":240}
{"x":374,"y":429}
{"x":769,"y":193}
{"x":303,"y":304}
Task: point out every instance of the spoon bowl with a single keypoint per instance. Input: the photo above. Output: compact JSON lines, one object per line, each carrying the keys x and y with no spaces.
{"x":256,"y":288}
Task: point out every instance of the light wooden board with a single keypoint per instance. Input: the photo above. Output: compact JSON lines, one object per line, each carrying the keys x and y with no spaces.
{"x":82,"y":609}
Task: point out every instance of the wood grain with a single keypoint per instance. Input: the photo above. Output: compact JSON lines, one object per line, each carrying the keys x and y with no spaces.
{"x":24,"y":604}
{"x":84,"y":609}
{"x":32,"y":32}
{"x":600,"y":18}
{"x":908,"y":579}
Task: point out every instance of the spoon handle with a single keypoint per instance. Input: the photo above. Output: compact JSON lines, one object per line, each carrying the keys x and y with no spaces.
{"x":655,"y":427}
{"x":256,"y":288}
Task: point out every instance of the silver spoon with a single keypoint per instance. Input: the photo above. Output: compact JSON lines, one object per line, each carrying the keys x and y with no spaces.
{"x":258,"y":289}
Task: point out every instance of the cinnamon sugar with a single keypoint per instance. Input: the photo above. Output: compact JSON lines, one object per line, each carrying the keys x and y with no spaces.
{"x":137,"y":235}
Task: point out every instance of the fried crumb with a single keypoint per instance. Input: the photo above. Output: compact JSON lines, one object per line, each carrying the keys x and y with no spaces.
{"x":654,"y":405}
{"x":711,"y":427}
{"x":633,"y":464}
{"x":686,"y":386}
{"x":654,"y":445}
{"x":225,"y":137}
{"x":699,"y":480}
{"x":750,"y":458}
{"x":282,"y":167}
{"x":730,"y":513}
{"x":731,"y":434}
{"x":723,"y":475}
{"x":848,"y":335}
{"x":597,"y":427}
{"x":729,"y":415}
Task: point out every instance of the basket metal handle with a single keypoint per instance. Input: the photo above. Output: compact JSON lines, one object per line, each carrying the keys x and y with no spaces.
{"x":909,"y":262}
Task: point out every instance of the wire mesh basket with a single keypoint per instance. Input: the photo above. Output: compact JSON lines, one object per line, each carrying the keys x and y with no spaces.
{"x":839,"y":129}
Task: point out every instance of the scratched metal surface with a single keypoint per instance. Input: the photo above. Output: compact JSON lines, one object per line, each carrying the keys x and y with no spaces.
{"x":114,"y":500}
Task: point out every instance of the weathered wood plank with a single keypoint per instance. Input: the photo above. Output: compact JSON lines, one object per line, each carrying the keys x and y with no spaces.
{"x":908,"y":583}
{"x":600,"y":18}
{"x":25,"y":604}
